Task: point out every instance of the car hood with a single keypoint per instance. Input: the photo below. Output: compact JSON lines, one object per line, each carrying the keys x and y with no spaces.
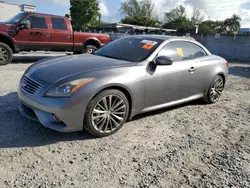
{"x":55,"y":69}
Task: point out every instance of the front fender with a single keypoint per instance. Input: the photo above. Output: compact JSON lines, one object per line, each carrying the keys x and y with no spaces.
{"x":5,"y":38}
{"x":92,"y":38}
{"x":132,"y":84}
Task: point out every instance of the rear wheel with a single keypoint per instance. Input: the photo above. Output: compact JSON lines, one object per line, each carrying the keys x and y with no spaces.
{"x":215,"y":90}
{"x":89,"y":49}
{"x":106,"y":113}
{"x":6,"y":54}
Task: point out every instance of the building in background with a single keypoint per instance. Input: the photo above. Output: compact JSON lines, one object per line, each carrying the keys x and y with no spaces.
{"x":8,"y":10}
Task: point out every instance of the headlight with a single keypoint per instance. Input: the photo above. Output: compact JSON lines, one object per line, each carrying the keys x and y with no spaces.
{"x":67,"y":89}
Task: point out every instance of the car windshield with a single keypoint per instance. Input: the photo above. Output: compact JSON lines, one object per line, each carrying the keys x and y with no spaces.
{"x":16,"y":18}
{"x":135,"y":49}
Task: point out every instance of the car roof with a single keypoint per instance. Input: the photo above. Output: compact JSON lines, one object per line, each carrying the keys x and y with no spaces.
{"x":41,"y":14}
{"x":162,"y":37}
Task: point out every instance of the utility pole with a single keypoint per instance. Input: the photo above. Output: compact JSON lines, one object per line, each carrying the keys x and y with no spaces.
{"x":207,"y":14}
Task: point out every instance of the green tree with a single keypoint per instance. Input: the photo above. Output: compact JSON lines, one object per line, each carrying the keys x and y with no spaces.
{"x":181,"y":24}
{"x":67,"y":15}
{"x":84,"y":12}
{"x":177,"y":19}
{"x":178,"y":13}
{"x":142,"y":21}
{"x":139,"y":13}
{"x":135,"y":8}
{"x":131,"y":8}
{"x":196,"y":18}
{"x":233,"y":23}
{"x":147,"y":9}
{"x":212,"y":27}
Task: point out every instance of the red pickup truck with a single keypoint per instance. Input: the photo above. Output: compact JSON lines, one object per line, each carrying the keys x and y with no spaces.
{"x":34,"y":31}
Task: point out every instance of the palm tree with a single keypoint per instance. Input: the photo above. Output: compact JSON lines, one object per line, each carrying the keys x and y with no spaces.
{"x":233,"y":23}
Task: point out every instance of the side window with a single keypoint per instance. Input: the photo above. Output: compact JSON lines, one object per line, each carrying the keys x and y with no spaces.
{"x":198,"y":51}
{"x":178,"y":50}
{"x":58,"y":24}
{"x":37,"y":22}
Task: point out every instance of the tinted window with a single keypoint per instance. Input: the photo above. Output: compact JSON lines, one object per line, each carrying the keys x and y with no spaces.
{"x":198,"y":51}
{"x":37,"y":22}
{"x":130,"y":48}
{"x":178,"y":50}
{"x":58,"y":24}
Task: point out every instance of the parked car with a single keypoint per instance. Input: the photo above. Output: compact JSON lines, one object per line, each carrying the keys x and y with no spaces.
{"x":99,"y":92}
{"x":34,"y":31}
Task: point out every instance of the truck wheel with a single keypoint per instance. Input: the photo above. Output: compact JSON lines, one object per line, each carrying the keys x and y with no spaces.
{"x":77,"y":53}
{"x":6,"y":54}
{"x":89,"y":49}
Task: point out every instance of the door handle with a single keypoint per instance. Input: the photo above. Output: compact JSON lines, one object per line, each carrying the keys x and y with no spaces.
{"x":48,"y":34}
{"x":67,"y":36}
{"x":192,"y":69}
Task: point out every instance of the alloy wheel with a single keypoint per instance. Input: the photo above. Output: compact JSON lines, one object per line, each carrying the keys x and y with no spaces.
{"x":90,"y":51}
{"x":216,"y":89}
{"x":3,"y":54}
{"x":109,"y":114}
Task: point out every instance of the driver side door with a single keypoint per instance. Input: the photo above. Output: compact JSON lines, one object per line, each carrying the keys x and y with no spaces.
{"x":166,"y":84}
{"x":35,"y":38}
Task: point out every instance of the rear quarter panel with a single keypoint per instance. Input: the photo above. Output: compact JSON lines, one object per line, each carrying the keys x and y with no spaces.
{"x":80,"y":38}
{"x":207,"y":68}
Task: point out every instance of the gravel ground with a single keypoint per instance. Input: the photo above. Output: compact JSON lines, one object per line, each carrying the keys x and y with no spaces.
{"x":193,"y":145}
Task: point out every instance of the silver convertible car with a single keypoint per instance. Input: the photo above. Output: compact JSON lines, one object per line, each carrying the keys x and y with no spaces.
{"x":99,"y":92}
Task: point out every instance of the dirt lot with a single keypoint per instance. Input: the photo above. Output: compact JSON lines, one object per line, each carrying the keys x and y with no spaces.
{"x":193,"y":145}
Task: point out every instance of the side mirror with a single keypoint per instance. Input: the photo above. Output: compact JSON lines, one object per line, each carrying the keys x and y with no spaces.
{"x":163,"y":60}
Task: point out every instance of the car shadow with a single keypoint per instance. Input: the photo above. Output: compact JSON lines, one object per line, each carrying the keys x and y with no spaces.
{"x":18,"y":131}
{"x":240,"y":71}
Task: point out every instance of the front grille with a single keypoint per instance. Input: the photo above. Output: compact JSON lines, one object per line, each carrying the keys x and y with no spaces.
{"x":30,"y":86}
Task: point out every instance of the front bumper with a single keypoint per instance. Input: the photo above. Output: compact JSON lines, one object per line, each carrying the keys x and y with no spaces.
{"x":70,"y":111}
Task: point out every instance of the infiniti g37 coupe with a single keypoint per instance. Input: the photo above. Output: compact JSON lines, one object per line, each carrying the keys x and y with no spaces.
{"x":99,"y":92}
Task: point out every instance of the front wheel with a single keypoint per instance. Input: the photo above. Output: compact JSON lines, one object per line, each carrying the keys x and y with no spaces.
{"x":215,"y":90}
{"x":106,"y":113}
{"x":6,"y":54}
{"x":89,"y":49}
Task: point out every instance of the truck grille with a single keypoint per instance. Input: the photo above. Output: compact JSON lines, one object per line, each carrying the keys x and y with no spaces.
{"x":30,"y":86}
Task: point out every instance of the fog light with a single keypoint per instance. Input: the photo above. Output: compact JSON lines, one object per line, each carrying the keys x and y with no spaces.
{"x":57,"y":118}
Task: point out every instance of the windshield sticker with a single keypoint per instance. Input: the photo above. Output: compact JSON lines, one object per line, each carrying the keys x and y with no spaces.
{"x":180,"y":52}
{"x":148,"y":46}
{"x":149,"y":42}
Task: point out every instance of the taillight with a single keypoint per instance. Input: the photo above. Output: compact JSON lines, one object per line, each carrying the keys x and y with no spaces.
{"x":227,"y":64}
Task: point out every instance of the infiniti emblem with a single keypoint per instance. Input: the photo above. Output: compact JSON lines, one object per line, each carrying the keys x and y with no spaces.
{"x":24,"y":83}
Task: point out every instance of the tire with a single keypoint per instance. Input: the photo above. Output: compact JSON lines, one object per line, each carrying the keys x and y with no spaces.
{"x":77,"y":53}
{"x":6,"y":54}
{"x":215,"y":90}
{"x":89,"y":49}
{"x":106,"y":122}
